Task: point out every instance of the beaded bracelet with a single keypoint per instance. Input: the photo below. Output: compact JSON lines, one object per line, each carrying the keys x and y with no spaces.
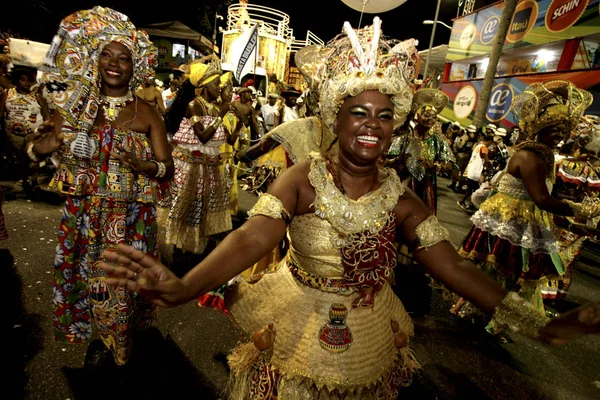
{"x":162,"y":169}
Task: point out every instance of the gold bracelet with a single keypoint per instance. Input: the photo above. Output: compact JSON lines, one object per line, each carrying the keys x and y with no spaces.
{"x":519,"y":315}
{"x":195,"y":119}
{"x":217,"y":122}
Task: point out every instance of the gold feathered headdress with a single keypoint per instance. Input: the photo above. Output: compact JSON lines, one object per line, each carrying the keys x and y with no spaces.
{"x":355,"y":61}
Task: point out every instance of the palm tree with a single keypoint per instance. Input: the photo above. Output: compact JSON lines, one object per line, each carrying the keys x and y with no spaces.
{"x":490,"y":73}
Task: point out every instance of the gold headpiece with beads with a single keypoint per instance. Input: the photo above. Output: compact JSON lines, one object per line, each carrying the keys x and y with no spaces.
{"x":434,"y":98}
{"x":356,"y":61}
{"x":543,"y":104}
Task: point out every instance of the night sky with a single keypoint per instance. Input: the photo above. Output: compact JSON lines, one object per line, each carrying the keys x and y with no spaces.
{"x":38,"y":19}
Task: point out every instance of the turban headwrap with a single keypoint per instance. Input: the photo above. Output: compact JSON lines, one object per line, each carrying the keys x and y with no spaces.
{"x":70,"y":70}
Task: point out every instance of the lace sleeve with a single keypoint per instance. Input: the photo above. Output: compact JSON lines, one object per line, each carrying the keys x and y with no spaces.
{"x":270,"y":206}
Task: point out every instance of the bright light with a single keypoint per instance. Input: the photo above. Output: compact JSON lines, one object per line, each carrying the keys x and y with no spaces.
{"x":430,"y":22}
{"x":484,"y":63}
{"x":219,"y":16}
{"x":545,"y":54}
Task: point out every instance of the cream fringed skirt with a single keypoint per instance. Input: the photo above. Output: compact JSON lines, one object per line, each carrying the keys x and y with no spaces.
{"x":200,"y":206}
{"x":299,"y":365}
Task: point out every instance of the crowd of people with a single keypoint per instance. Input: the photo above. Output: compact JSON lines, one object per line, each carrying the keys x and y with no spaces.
{"x":347,"y":173}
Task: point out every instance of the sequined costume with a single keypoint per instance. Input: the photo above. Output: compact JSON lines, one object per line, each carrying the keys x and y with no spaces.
{"x":107,"y":202}
{"x":574,"y":179}
{"x":512,"y":239}
{"x":421,"y":181}
{"x":339,"y":338}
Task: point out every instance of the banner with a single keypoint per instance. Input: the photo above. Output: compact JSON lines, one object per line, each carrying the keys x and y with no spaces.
{"x":534,"y":23}
{"x":464,"y":95}
{"x":242,"y":55}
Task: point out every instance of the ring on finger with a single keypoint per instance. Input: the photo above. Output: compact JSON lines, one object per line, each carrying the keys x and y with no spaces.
{"x":134,"y":277}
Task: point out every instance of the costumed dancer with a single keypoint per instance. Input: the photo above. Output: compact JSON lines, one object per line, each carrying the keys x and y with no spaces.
{"x":418,"y":154}
{"x":236,"y":130}
{"x":326,"y":324}
{"x":424,"y":149}
{"x":578,"y":177}
{"x":200,"y":207}
{"x":113,"y":154}
{"x":513,"y":235}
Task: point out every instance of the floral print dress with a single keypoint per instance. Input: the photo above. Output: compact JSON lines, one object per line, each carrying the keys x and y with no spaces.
{"x":107,"y":204}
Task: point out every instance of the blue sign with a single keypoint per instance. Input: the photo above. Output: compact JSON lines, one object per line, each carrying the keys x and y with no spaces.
{"x":489,"y":29}
{"x":500,"y":102}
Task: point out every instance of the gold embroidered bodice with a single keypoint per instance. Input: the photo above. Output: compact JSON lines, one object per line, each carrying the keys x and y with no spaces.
{"x":515,"y":187}
{"x":338,"y":221}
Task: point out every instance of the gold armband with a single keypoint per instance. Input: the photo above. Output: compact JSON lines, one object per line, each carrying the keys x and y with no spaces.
{"x":430,"y":232}
{"x":195,"y":119}
{"x":270,"y":206}
{"x":519,"y":315}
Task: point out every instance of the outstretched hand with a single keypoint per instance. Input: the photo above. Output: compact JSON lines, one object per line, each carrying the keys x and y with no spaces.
{"x":572,"y":324}
{"x":143,"y":274}
{"x":46,"y":140}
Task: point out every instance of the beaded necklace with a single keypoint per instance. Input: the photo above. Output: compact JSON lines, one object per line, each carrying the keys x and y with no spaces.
{"x":338,"y":182}
{"x":112,"y":106}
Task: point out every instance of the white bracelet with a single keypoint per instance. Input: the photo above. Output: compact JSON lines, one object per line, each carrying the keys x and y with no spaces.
{"x":162,"y":169}
{"x":31,"y":154}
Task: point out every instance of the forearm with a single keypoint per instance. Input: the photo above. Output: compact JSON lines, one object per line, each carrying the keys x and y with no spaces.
{"x":462,"y":277}
{"x":555,"y":206}
{"x":222,"y":264}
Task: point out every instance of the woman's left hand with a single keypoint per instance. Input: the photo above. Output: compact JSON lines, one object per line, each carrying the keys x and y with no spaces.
{"x":568,"y":326}
{"x":127,"y":158}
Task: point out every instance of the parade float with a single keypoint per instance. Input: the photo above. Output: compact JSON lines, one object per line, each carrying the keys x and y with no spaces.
{"x":257,"y":42}
{"x":546,"y":40}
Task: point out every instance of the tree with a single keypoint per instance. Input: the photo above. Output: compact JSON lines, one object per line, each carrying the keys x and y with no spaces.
{"x":490,"y":73}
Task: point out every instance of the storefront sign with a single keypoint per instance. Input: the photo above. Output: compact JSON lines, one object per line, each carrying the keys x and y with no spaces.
{"x":488,"y":32}
{"x":465,"y":100}
{"x":562,"y":14}
{"x":500,"y":102}
{"x":468,"y":35}
{"x":523,"y":20}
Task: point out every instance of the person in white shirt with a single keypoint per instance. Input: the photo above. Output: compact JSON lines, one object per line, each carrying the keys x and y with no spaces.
{"x":290,"y":110}
{"x":270,"y":112}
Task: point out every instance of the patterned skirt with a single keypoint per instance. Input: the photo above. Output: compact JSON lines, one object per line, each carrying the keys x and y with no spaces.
{"x":200,"y":205}
{"x":90,"y":225}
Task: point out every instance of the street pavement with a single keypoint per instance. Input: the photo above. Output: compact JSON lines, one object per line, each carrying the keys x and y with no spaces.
{"x":184,"y":356}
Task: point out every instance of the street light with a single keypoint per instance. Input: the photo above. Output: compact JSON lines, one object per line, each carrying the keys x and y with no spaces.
{"x":217,"y":17}
{"x":435,"y":20}
{"x":430,"y":22}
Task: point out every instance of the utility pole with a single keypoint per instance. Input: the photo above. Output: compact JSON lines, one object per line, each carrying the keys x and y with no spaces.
{"x":437,"y":13}
{"x":490,"y":73}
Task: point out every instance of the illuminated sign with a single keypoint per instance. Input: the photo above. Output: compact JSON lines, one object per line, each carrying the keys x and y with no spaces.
{"x":522,"y":21}
{"x":467,"y":35}
{"x":488,"y":32}
{"x":465,"y":101}
{"x":500,"y":102}
{"x":562,"y":14}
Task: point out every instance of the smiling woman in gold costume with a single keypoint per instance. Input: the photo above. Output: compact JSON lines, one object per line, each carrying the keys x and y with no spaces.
{"x":325,"y":324}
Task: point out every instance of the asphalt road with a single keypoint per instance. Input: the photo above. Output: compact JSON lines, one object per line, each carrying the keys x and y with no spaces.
{"x":185,"y":355}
